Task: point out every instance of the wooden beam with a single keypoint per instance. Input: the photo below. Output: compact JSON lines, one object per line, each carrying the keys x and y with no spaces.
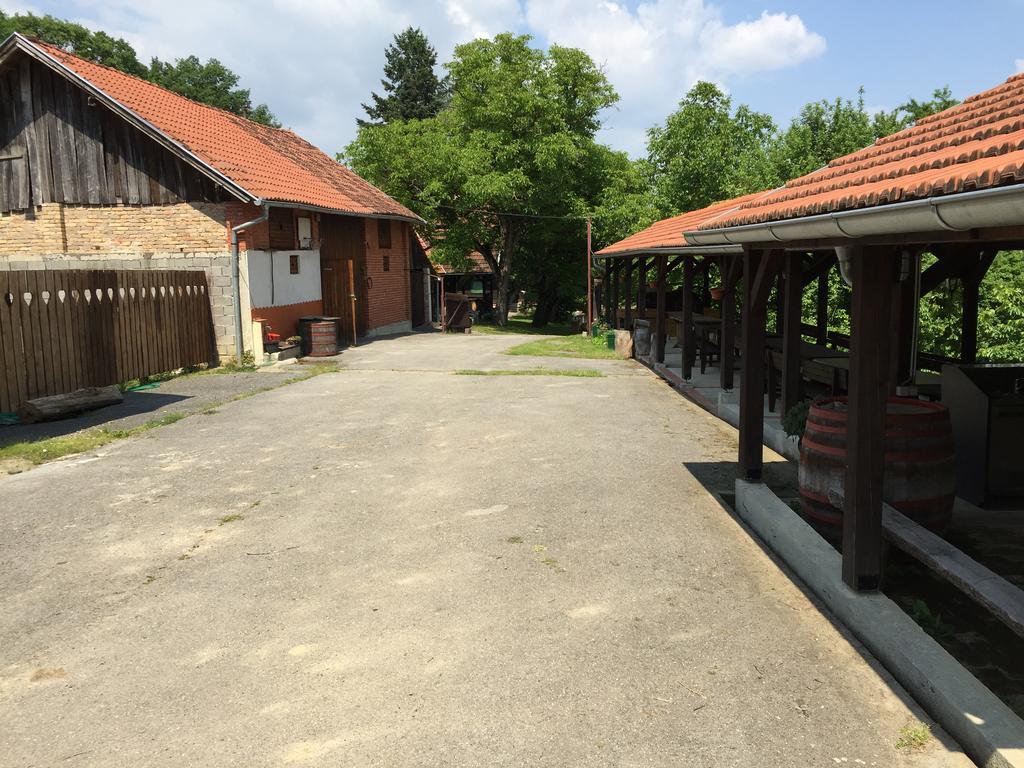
{"x":627,"y":297}
{"x":767,"y":266}
{"x":792,"y":300}
{"x":969,"y":319}
{"x":821,"y":314}
{"x":660,"y":320}
{"x":1003,"y":599}
{"x":904,"y":332}
{"x":641,"y":305}
{"x":820,"y":265}
{"x":872,"y":270}
{"x":687,"y":339}
{"x":732,"y":270}
{"x":732,"y":267}
{"x":755,"y":298}
{"x":613,"y":315}
{"x":674,"y":263}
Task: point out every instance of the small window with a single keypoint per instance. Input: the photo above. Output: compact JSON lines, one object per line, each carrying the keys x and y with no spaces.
{"x":293,"y":264}
{"x":304,"y":231}
{"x":387,"y":263}
{"x":384,"y":233}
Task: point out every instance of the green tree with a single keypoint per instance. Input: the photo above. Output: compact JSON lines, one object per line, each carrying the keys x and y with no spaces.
{"x":942,"y":98}
{"x":412,"y":89}
{"x":210,"y":83}
{"x":823,"y":131}
{"x":74,"y":38}
{"x":705,"y":153}
{"x":517,"y":134}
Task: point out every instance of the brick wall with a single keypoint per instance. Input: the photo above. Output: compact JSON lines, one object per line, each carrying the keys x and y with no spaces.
{"x":187,"y":236}
{"x":389,"y":297}
{"x":59,"y":228}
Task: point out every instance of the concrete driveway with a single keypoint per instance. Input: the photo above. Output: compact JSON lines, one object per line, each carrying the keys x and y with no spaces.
{"x":396,"y":566}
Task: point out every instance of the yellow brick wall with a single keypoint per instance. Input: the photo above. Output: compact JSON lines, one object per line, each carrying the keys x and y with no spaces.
{"x":56,"y":228}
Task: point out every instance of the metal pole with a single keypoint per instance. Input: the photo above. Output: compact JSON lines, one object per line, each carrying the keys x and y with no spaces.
{"x":590,"y":283}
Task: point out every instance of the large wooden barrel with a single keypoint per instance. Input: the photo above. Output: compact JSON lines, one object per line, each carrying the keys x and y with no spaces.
{"x":323,"y":338}
{"x":919,"y":480}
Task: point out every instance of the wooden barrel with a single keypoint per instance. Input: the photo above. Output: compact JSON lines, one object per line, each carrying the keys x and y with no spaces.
{"x":323,"y":338}
{"x":919,"y":480}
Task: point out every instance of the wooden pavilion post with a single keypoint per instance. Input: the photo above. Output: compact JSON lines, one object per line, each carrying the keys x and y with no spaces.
{"x":731,"y":270}
{"x":627,"y":297}
{"x":759,"y":269}
{"x":969,"y":321}
{"x":615,"y":268}
{"x":686,"y":339}
{"x":660,"y":320}
{"x":872,"y":271}
{"x":780,"y":303}
{"x":641,"y":289}
{"x":821,"y":314}
{"x":791,"y":330}
{"x":901,"y":351}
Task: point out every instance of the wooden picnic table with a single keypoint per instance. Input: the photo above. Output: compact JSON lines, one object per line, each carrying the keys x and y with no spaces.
{"x":928,"y":384}
{"x":811,"y":367}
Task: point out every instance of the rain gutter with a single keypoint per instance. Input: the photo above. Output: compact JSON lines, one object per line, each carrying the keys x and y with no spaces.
{"x":680,"y":250}
{"x":236,"y":291}
{"x":963,"y":211}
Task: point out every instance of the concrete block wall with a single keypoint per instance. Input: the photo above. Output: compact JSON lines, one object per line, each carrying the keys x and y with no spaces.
{"x":389,"y":298}
{"x":188,"y":236}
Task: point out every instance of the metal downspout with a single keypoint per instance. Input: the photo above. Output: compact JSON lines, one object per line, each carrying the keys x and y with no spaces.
{"x":236,"y":289}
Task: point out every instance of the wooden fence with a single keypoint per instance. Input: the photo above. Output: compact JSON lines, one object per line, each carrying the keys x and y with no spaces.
{"x":61,"y":330}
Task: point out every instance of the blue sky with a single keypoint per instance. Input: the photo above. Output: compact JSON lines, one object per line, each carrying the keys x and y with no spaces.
{"x":315,"y":61}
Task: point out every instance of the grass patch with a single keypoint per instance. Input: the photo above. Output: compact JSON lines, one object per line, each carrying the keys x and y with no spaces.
{"x":913,"y":736}
{"x":581,"y":373}
{"x":567,"y":346}
{"x":522,"y":324}
{"x":42,"y":451}
{"x":230,"y":519}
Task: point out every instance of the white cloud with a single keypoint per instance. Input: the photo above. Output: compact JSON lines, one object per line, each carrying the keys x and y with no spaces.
{"x":654,"y":54}
{"x":315,"y":61}
{"x":1019,"y":63}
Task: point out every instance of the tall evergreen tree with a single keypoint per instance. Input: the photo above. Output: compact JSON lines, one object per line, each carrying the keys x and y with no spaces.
{"x":412,"y":91}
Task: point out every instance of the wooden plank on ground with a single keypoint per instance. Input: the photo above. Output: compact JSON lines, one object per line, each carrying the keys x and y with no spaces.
{"x":991,"y":590}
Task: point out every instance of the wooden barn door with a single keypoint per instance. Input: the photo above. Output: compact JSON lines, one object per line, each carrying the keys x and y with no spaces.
{"x":341,"y":254}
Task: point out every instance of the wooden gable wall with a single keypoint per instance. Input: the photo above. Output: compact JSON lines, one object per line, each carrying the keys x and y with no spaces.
{"x":56,"y":147}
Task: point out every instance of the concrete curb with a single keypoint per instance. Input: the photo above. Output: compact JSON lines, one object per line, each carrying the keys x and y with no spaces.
{"x":991,"y":734}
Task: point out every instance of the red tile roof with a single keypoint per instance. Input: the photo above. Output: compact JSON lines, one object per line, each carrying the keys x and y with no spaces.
{"x":271,"y":163}
{"x":974,"y":145}
{"x":478,"y":264}
{"x":668,"y":233}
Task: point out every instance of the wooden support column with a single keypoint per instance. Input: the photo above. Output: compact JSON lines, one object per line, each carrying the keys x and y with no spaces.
{"x":780,"y":303}
{"x":821,"y":314}
{"x":759,"y":269}
{"x":904,"y":331}
{"x":732,"y":267}
{"x":613,"y":315}
{"x":660,"y":320}
{"x":791,"y":325}
{"x":687,"y":342}
{"x":969,"y":320}
{"x":641,"y":290}
{"x":627,"y":296}
{"x":872,"y":270}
